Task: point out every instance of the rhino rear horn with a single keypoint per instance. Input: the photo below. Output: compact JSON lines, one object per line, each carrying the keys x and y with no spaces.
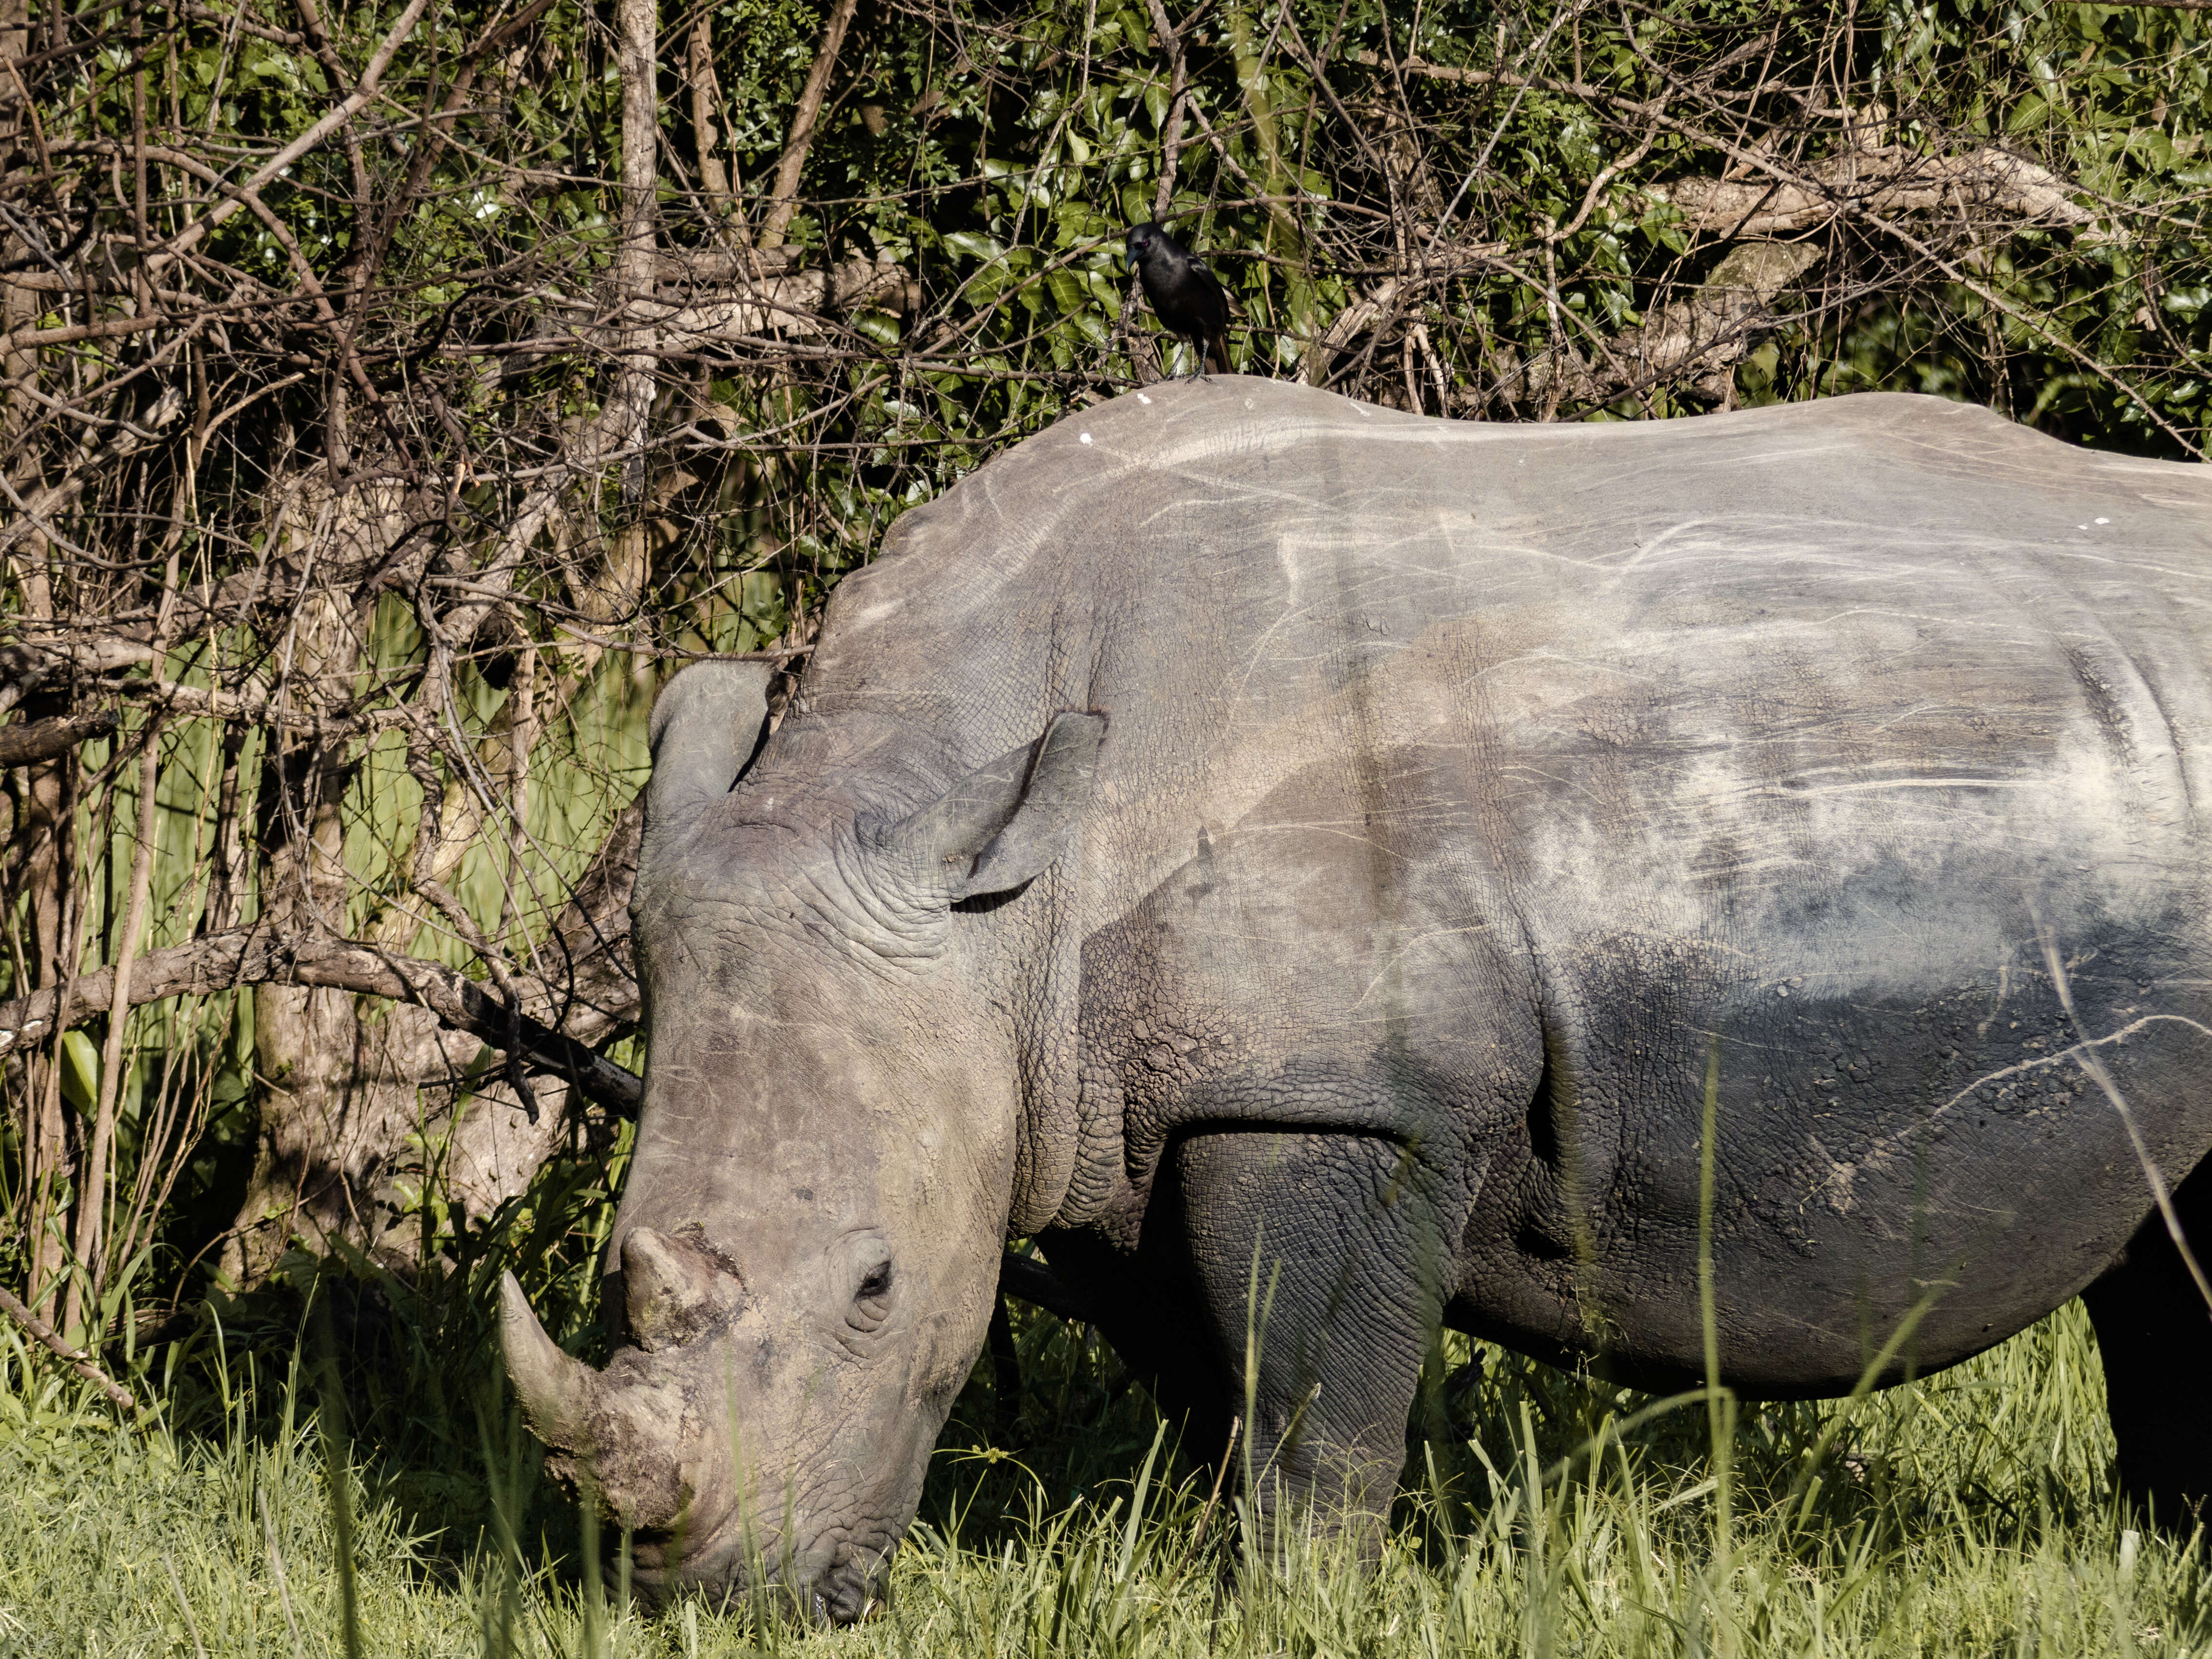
{"x":706,"y":726}
{"x":1002,"y":826}
{"x":555,"y":1388}
{"x":671,"y":1290}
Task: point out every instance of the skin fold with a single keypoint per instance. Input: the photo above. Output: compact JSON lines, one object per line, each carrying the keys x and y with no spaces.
{"x":1289,"y":856}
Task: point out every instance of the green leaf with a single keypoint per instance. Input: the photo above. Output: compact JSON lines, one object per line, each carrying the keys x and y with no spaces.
{"x":80,"y":1070}
{"x":1069,"y":292}
{"x":878,"y":325}
{"x":973,"y":246}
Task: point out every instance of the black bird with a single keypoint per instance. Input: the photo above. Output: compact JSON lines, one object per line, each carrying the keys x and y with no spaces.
{"x":1183,"y":292}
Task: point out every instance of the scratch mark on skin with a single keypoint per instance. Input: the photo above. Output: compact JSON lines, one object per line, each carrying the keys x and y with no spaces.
{"x":1331,"y":830}
{"x":1591,"y":665}
{"x":1651,"y":547}
{"x":1880,"y":1153}
{"x":2005,"y":990}
{"x":1213,"y":489}
{"x":2079,"y":555}
{"x":1406,"y":949}
{"x":1748,"y":1044}
{"x":1525,"y":773}
{"x":1918,"y":711}
{"x":1259,"y":647}
{"x":1836,"y":1185}
{"x":1815,"y":624}
{"x":1876,"y":785}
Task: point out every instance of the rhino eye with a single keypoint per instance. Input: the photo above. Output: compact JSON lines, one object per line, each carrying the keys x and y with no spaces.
{"x":869,"y":1308}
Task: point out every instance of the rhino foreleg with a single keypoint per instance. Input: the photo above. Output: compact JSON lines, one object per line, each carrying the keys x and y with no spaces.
{"x":1317,"y":1262}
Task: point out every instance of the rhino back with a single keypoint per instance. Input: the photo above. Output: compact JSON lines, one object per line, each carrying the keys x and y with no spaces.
{"x":1550,"y":760}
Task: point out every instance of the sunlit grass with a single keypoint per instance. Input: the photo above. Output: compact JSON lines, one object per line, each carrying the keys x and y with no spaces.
{"x":1967,"y":1514}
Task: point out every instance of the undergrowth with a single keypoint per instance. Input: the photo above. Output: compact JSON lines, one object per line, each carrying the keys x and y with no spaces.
{"x":1969,"y":1513}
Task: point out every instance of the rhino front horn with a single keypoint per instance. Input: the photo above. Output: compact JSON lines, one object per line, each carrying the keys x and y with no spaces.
{"x":555,"y":1388}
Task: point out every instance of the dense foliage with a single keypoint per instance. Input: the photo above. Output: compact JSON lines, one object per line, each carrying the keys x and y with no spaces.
{"x":393,"y":393}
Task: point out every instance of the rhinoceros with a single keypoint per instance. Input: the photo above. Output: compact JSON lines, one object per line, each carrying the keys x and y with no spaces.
{"x":1325,"y":872}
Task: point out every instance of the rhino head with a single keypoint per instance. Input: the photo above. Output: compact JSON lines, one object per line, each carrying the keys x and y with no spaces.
{"x":802,"y":1268}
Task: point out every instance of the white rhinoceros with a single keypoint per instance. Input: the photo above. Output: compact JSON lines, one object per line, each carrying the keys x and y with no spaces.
{"x":1242,"y":837}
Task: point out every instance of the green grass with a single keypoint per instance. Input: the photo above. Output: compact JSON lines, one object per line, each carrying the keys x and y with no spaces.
{"x":1967,"y":1514}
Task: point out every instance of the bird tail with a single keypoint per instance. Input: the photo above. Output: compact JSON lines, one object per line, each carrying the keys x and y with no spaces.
{"x":1216,"y":352}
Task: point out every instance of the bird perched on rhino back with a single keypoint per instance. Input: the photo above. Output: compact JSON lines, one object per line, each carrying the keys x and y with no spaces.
{"x":1183,"y":294}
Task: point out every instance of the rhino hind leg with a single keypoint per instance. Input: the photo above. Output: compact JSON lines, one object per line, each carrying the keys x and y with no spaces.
{"x":2155,"y":1335}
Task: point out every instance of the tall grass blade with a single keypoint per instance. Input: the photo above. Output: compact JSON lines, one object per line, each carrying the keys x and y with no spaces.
{"x":594,"y":1590}
{"x":184,"y":1606}
{"x":338,"y":1467}
{"x":276,"y":1566}
{"x":1137,"y":1507}
{"x":1720,"y":1403}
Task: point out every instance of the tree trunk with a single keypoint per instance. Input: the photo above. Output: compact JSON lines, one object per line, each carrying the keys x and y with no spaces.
{"x":783,"y":194}
{"x":42,"y":868}
{"x":635,"y":268}
{"x":336,"y":1094}
{"x":44,"y":871}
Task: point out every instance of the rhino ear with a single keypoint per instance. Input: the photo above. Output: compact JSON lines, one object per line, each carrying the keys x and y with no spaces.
{"x":707,"y":725}
{"x":1001,"y":826}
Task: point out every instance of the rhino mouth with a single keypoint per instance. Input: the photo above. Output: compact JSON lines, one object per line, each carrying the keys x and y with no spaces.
{"x":851,"y":1584}
{"x":852,"y":1589}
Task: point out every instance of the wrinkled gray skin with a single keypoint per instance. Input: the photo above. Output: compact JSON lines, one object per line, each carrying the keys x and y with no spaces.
{"x":1242,"y":825}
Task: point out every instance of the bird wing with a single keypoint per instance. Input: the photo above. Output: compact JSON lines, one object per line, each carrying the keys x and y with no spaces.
{"x":1219,"y":293}
{"x":1228,"y":305}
